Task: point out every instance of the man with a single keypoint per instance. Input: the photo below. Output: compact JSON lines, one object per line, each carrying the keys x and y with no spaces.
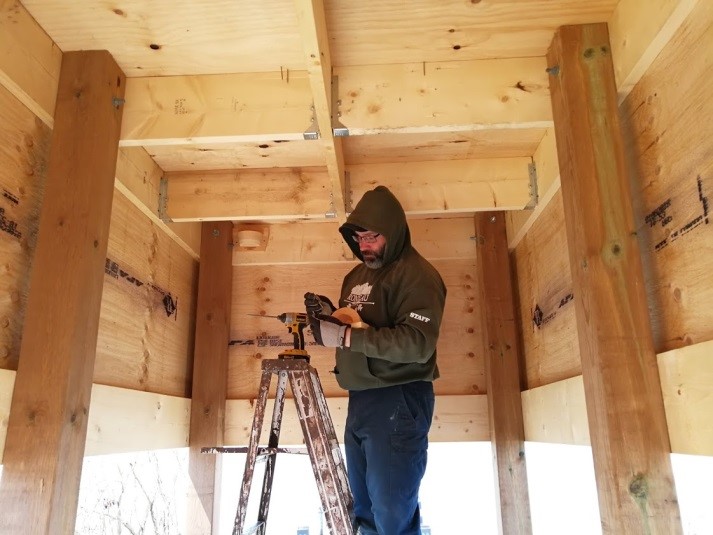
{"x":388,"y":367}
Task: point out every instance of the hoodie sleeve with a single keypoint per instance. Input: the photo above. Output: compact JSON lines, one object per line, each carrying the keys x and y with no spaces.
{"x":418,"y":311}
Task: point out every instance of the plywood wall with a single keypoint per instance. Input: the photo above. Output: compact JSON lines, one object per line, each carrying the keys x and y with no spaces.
{"x":669,"y":134}
{"x":147,"y":319}
{"x":669,"y":141}
{"x":272,"y":290}
{"x":24,"y":149}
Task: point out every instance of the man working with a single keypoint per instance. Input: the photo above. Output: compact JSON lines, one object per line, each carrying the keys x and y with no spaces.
{"x":388,"y":368}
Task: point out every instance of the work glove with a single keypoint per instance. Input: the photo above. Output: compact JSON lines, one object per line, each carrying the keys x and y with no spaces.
{"x":318,"y":304}
{"x":328,"y":331}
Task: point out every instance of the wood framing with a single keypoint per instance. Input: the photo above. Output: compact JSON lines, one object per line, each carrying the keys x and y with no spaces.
{"x":624,"y":402}
{"x":502,"y":363}
{"x":210,"y":365}
{"x":48,"y":420}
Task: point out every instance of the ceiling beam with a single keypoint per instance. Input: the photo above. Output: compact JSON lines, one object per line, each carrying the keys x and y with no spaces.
{"x":249,"y":107}
{"x":424,"y":188}
{"x":315,"y":40}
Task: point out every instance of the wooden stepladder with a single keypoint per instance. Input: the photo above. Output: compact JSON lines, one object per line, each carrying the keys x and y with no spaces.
{"x":319,"y":435}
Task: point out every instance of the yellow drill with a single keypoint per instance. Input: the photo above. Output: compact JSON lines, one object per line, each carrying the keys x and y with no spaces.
{"x":296,"y":322}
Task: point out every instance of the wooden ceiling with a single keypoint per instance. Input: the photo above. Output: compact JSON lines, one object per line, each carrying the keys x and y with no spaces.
{"x":225,"y":86}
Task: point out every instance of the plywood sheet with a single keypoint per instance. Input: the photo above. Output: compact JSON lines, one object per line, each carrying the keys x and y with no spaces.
{"x":546,"y":308}
{"x":669,"y":145}
{"x":147,"y":316}
{"x":273,"y":290}
{"x":24,"y":150}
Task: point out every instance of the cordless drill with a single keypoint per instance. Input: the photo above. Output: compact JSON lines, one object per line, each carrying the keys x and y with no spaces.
{"x":296,"y":322}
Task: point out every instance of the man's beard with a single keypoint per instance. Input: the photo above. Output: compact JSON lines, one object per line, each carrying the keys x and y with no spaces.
{"x":374,"y":260}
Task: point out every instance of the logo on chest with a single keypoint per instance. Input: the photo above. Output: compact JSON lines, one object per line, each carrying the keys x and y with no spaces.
{"x":359,"y":296}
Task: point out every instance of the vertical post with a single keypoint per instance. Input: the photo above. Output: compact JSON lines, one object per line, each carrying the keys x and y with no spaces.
{"x":47,"y":427}
{"x":627,"y":423}
{"x":210,"y":370}
{"x":502,"y":362}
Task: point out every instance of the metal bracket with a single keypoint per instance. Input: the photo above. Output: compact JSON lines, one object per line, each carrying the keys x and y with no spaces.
{"x":163,"y":201}
{"x":312,"y":131}
{"x":332,"y":210}
{"x":338,"y":129}
{"x":348,"y":208}
{"x":532,"y":187}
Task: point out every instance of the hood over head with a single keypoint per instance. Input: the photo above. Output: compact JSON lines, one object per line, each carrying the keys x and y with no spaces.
{"x":379,"y":211}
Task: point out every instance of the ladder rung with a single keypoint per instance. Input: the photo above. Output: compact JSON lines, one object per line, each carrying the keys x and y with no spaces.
{"x":260,"y":451}
{"x":254,"y":529}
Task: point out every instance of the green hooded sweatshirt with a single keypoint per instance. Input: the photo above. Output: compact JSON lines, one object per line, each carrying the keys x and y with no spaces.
{"x":402,"y":302}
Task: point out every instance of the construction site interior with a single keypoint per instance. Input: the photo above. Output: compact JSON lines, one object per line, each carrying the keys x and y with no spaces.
{"x":173,"y":170}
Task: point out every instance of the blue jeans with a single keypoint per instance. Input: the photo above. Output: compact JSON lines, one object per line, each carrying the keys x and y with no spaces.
{"x":386,"y":443}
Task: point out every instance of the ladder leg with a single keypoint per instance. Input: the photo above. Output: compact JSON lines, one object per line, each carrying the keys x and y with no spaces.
{"x":252,"y":452}
{"x":272,"y":458}
{"x":327,"y":463}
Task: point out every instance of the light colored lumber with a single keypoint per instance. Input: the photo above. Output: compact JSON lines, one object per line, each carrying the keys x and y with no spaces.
{"x":147,"y":318}
{"x":639,"y":31}
{"x":455,"y":419}
{"x":252,"y":155}
{"x":208,"y":37}
{"x":442,"y":146}
{"x":424,"y":188}
{"x":627,"y":422}
{"x":7,"y":382}
{"x":271,"y":290}
{"x":546,"y":300}
{"x":48,"y":420}
{"x":315,"y":243}
{"x":315,"y":41}
{"x":436,"y":188}
{"x":556,"y":413}
{"x":253,"y":107}
{"x":138,"y":178}
{"x":384,"y":31}
{"x":687,"y":384}
{"x":548,"y":183}
{"x":416,"y":97}
{"x":24,"y":149}
{"x":123,"y":420}
{"x":210,"y":367}
{"x":260,"y":194}
{"x":502,"y":374}
{"x":669,"y":147}
{"x":29,"y":60}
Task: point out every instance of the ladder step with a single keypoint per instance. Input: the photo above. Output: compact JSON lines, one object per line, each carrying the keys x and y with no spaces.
{"x":255,"y":529}
{"x":261,"y":451}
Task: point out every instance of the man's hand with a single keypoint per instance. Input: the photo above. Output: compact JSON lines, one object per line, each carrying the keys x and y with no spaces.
{"x":318,"y":304}
{"x":327,"y":330}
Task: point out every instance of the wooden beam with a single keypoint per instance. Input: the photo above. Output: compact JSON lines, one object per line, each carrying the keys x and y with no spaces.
{"x":424,"y":188}
{"x":210,"y":367}
{"x":432,"y":97}
{"x":548,"y":184}
{"x":624,"y":402}
{"x":178,"y":110}
{"x":29,"y":60}
{"x":48,"y":421}
{"x":502,"y":363}
{"x":138,"y":178}
{"x":263,"y":107}
{"x":639,"y":32}
{"x":315,"y":40}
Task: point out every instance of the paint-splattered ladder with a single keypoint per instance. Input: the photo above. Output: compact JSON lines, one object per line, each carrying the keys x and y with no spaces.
{"x":320,"y":438}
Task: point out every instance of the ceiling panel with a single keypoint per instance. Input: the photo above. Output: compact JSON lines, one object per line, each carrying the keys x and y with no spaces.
{"x":192,"y":37}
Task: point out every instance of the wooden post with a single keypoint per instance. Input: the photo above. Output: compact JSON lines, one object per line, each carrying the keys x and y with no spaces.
{"x":210,"y":369}
{"x":502,"y":374}
{"x":627,"y":423}
{"x":47,"y":426}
